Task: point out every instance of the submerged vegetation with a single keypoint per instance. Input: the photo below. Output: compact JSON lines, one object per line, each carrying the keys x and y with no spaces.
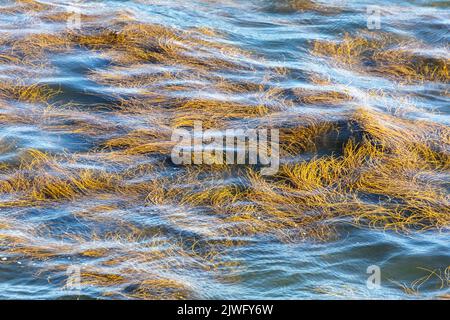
{"x":385,"y":55}
{"x":359,"y":165}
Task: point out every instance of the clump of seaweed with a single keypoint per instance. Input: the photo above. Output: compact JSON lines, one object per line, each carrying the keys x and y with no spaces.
{"x":160,"y":288}
{"x":386,"y":56}
{"x":380,"y":180}
{"x":289,"y":6}
{"x":40,"y":178}
{"x":214,"y":114}
{"x":322,"y":97}
{"x":25,"y":6}
{"x":20,"y":91}
{"x":308,"y":137}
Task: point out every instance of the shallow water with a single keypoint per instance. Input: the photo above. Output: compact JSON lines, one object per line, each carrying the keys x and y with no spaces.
{"x":113,"y":229}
